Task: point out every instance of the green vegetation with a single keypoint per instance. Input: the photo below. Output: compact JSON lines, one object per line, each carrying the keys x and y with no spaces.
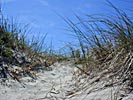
{"x":105,"y":43}
{"x":16,"y":50}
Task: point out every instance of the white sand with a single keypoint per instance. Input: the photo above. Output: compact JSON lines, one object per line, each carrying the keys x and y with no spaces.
{"x":53,"y":85}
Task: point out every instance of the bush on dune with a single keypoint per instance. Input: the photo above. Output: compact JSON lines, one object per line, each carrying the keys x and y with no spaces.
{"x":17,"y":55}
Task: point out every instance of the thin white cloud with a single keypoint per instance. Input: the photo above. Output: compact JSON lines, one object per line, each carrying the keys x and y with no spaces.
{"x":44,"y":2}
{"x":28,"y":20}
{"x":7,"y":1}
{"x":51,"y":24}
{"x":88,"y":5}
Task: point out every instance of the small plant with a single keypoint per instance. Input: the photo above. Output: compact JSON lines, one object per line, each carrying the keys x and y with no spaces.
{"x":7,"y":52}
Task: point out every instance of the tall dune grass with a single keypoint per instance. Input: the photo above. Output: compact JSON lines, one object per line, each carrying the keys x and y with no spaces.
{"x":109,"y":43}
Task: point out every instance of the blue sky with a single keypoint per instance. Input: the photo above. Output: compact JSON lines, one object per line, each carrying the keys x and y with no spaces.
{"x":41,"y":16}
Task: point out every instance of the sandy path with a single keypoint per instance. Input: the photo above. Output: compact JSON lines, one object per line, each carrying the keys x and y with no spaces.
{"x":50,"y":84}
{"x":56,"y":85}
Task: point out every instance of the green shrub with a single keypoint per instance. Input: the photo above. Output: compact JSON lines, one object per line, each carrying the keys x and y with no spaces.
{"x":7,"y":52}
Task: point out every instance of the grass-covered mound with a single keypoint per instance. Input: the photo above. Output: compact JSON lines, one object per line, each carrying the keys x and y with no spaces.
{"x":106,"y":47}
{"x":18,"y":57}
